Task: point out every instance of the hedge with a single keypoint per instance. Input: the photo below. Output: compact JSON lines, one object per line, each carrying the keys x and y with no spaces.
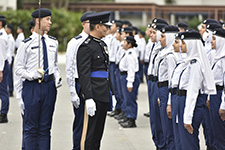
{"x":65,"y":24}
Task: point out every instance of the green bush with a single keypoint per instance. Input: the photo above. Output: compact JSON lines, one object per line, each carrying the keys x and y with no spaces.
{"x":194,"y":22}
{"x":65,"y":24}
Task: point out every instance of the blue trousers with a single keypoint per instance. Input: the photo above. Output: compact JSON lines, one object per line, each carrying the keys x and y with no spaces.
{"x":78,"y":121}
{"x":158,"y":136}
{"x":10,"y":77}
{"x":218,"y":126}
{"x":190,"y":141}
{"x":120,"y":105}
{"x":174,"y":113}
{"x":4,"y":95}
{"x":166,"y":122}
{"x":146,"y":70}
{"x":140,"y":72}
{"x":130,"y":97}
{"x":39,"y":101}
{"x":112,"y":70}
{"x":207,"y":125}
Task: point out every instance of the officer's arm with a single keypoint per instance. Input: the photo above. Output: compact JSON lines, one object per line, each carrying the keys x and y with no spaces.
{"x":2,"y":59}
{"x":56,"y":68}
{"x":84,"y":56}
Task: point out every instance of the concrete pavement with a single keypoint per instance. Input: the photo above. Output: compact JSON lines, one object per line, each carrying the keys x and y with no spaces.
{"x":115,"y":137}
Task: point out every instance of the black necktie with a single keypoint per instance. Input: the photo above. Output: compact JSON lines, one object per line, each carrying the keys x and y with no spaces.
{"x":45,"y":59}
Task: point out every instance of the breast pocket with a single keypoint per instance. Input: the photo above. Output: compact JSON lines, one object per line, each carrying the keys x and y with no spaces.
{"x":98,"y":59}
{"x":52,"y":53}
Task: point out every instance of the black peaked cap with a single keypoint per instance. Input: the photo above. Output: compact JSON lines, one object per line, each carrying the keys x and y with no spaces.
{"x":43,"y":13}
{"x":208,"y":21}
{"x":131,"y":40}
{"x":170,"y":28}
{"x":190,"y":35}
{"x":219,"y":32}
{"x":84,"y":16}
{"x":99,"y":17}
{"x":213,"y":26}
{"x":159,"y":20}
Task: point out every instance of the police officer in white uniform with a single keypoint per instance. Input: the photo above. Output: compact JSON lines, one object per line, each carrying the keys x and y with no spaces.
{"x":72,"y":79}
{"x":4,"y":70}
{"x":41,"y":75}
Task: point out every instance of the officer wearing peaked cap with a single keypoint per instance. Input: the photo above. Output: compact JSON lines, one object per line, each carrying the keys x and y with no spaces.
{"x":37,"y":94}
{"x":93,"y":72}
{"x":182,"y":26}
{"x":4,"y":70}
{"x":72,"y":78}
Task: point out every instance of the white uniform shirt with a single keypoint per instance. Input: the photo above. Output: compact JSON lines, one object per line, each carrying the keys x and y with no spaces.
{"x":11,"y":48}
{"x":147,"y":51}
{"x":26,"y":61}
{"x":3,"y":48}
{"x":218,"y":71}
{"x":120,"y":52}
{"x":129,"y":63}
{"x":19,"y":39}
{"x":141,"y":48}
{"x":112,"y":48}
{"x":192,"y":81}
{"x":153,"y":54}
{"x":71,"y":58}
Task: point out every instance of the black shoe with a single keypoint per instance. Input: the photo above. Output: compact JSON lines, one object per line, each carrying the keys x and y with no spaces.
{"x":141,"y":79}
{"x":147,"y":114}
{"x":122,"y":120}
{"x":3,"y":118}
{"x":10,"y":94}
{"x":209,"y":148}
{"x":120,"y":115}
{"x":113,"y":113}
{"x":129,"y":124}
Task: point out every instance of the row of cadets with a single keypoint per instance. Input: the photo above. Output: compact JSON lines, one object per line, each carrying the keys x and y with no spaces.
{"x":130,"y":81}
{"x":165,"y":63}
{"x":72,"y":79}
{"x":217,"y":103}
{"x":155,"y":120}
{"x":11,"y":49}
{"x":206,"y":30}
{"x":195,"y":79}
{"x":126,"y":31}
{"x":4,"y":71}
{"x":38,"y":92}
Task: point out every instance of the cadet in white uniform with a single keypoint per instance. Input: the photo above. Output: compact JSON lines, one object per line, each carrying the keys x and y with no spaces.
{"x":130,"y":81}
{"x":216,"y":101}
{"x":4,"y":70}
{"x":194,"y":80}
{"x":38,"y":92}
{"x":11,"y":49}
{"x":72,"y":79}
{"x":20,"y":36}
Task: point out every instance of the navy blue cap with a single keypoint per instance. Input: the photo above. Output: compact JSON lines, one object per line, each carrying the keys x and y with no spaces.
{"x":10,"y":26}
{"x":84,"y":16}
{"x":182,"y":25}
{"x":119,"y":23}
{"x":20,"y":27}
{"x":169,"y":29}
{"x":131,"y":40}
{"x":208,"y":21}
{"x":159,"y":26}
{"x":135,"y":28}
{"x":100,"y":18}
{"x":178,"y":35}
{"x":119,"y":30}
{"x":219,"y":32}
{"x":31,"y":24}
{"x":127,"y":22}
{"x":43,"y":13}
{"x":2,"y":17}
{"x":149,"y":25}
{"x":213,"y":26}
{"x":141,"y":32}
{"x":189,"y":35}
{"x":159,"y":20}
{"x":127,"y":30}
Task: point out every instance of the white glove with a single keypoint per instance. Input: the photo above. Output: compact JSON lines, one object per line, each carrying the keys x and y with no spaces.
{"x":75,"y":100}
{"x":90,"y":106}
{"x":58,"y":82}
{"x":114,"y":101}
{"x":21,"y":105}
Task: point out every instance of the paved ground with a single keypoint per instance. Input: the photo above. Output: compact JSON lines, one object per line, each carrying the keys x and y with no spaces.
{"x":115,"y":137}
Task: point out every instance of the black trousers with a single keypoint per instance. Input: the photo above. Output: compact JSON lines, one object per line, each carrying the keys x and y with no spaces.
{"x":93,"y":127}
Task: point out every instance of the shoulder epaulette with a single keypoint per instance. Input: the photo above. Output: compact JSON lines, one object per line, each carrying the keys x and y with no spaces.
{"x":78,"y":37}
{"x":193,"y":61}
{"x":51,"y":37}
{"x":87,"y":40}
{"x":26,"y":40}
{"x":130,"y":53}
{"x":0,"y":33}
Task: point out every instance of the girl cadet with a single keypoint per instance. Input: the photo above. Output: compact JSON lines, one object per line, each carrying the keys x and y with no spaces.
{"x":172,"y":105}
{"x":196,"y":78}
{"x":218,"y":69}
{"x":165,"y":63}
{"x":129,"y":81}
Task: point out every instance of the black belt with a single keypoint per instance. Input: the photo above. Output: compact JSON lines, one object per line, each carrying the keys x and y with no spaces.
{"x":219,"y":88}
{"x":162,"y":84}
{"x":146,"y":63}
{"x":153,"y":78}
{"x":51,"y":77}
{"x":181,"y":92}
{"x":76,"y":80}
{"x":173,"y":90}
{"x":123,"y":72}
{"x":112,"y":62}
{"x":117,"y":65}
